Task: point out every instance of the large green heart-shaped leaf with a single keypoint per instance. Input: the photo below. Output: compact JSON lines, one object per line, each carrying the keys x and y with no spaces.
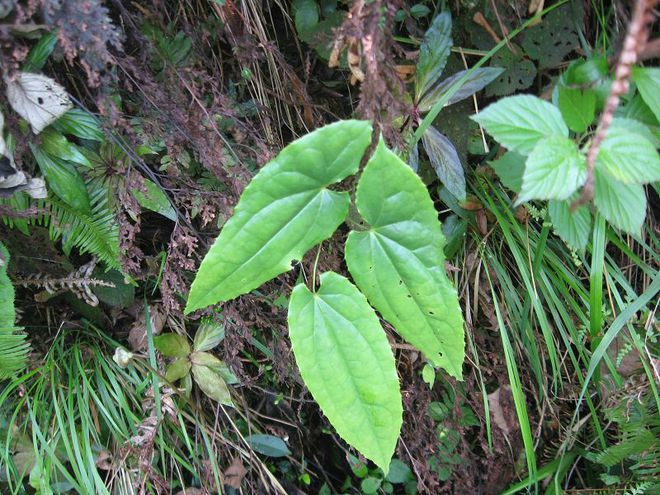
{"x":347,"y":364}
{"x":284,"y":211}
{"x":399,"y":263}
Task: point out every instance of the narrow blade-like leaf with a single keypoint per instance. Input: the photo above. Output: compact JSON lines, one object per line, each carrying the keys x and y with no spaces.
{"x":347,"y":364}
{"x":399,"y":262}
{"x":477,"y":81}
{"x":445,"y":161}
{"x":284,"y":211}
{"x":433,"y":53}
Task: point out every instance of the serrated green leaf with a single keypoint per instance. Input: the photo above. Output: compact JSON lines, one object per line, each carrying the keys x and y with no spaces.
{"x":554,"y":170}
{"x":399,"y":263}
{"x":628,"y":156}
{"x":269,"y":445}
{"x":433,"y":53}
{"x":172,"y":345}
{"x":636,"y":127}
{"x":510,"y":168}
{"x":574,"y":227}
{"x":208,"y":336}
{"x":155,"y":200}
{"x":623,"y":205}
{"x":648,"y":85}
{"x":519,"y":122}
{"x":177,"y":369}
{"x":13,"y":347}
{"x":578,"y":107}
{"x":347,"y":364}
{"x":445,"y":161}
{"x":212,"y":384}
{"x":63,"y":179}
{"x":284,"y":211}
{"x":477,"y":80}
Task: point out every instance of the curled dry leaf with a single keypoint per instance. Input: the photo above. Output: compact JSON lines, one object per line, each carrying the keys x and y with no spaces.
{"x":234,"y":474}
{"x":137,"y":336}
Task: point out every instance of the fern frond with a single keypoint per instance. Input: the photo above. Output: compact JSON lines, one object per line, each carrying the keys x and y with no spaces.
{"x":13,"y":348}
{"x":630,"y":446}
{"x":97,"y":234}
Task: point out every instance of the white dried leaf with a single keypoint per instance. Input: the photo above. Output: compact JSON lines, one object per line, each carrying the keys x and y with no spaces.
{"x":37,"y":98}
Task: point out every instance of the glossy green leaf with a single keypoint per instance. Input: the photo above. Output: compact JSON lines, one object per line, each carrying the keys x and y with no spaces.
{"x":55,"y":144}
{"x":648,"y":85}
{"x":574,"y":227}
{"x":554,"y":170}
{"x":208,"y":336}
{"x":519,"y":122}
{"x":433,"y":53}
{"x":510,"y":168}
{"x":623,"y":205}
{"x":269,"y":445}
{"x":284,"y":211}
{"x":172,"y":345}
{"x":212,"y":384}
{"x":445,"y":161}
{"x":64,"y":180}
{"x":477,"y":81}
{"x":347,"y":364}
{"x":398,"y":263}
{"x":577,"y":106}
{"x":39,"y":53}
{"x":628,"y":156}
{"x":177,"y":369}
{"x":79,"y":123}
{"x":155,"y":200}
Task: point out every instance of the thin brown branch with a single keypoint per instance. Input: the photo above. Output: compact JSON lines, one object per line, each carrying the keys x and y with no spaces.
{"x":634,"y":44}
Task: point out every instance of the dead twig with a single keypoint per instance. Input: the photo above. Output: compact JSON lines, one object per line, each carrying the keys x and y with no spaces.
{"x":634,"y":44}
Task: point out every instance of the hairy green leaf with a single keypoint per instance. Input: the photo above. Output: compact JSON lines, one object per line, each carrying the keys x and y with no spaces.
{"x":284,"y":211}
{"x":623,"y":205}
{"x":347,"y":364}
{"x":648,"y":84}
{"x":433,"y":53}
{"x":577,"y":106}
{"x":573,"y":227}
{"x":445,"y":161}
{"x":519,"y":122}
{"x":399,"y":262}
{"x":628,"y":156}
{"x":554,"y":170}
{"x":510,"y":168}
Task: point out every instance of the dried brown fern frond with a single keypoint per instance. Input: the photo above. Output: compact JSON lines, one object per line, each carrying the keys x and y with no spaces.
{"x":78,"y":282}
